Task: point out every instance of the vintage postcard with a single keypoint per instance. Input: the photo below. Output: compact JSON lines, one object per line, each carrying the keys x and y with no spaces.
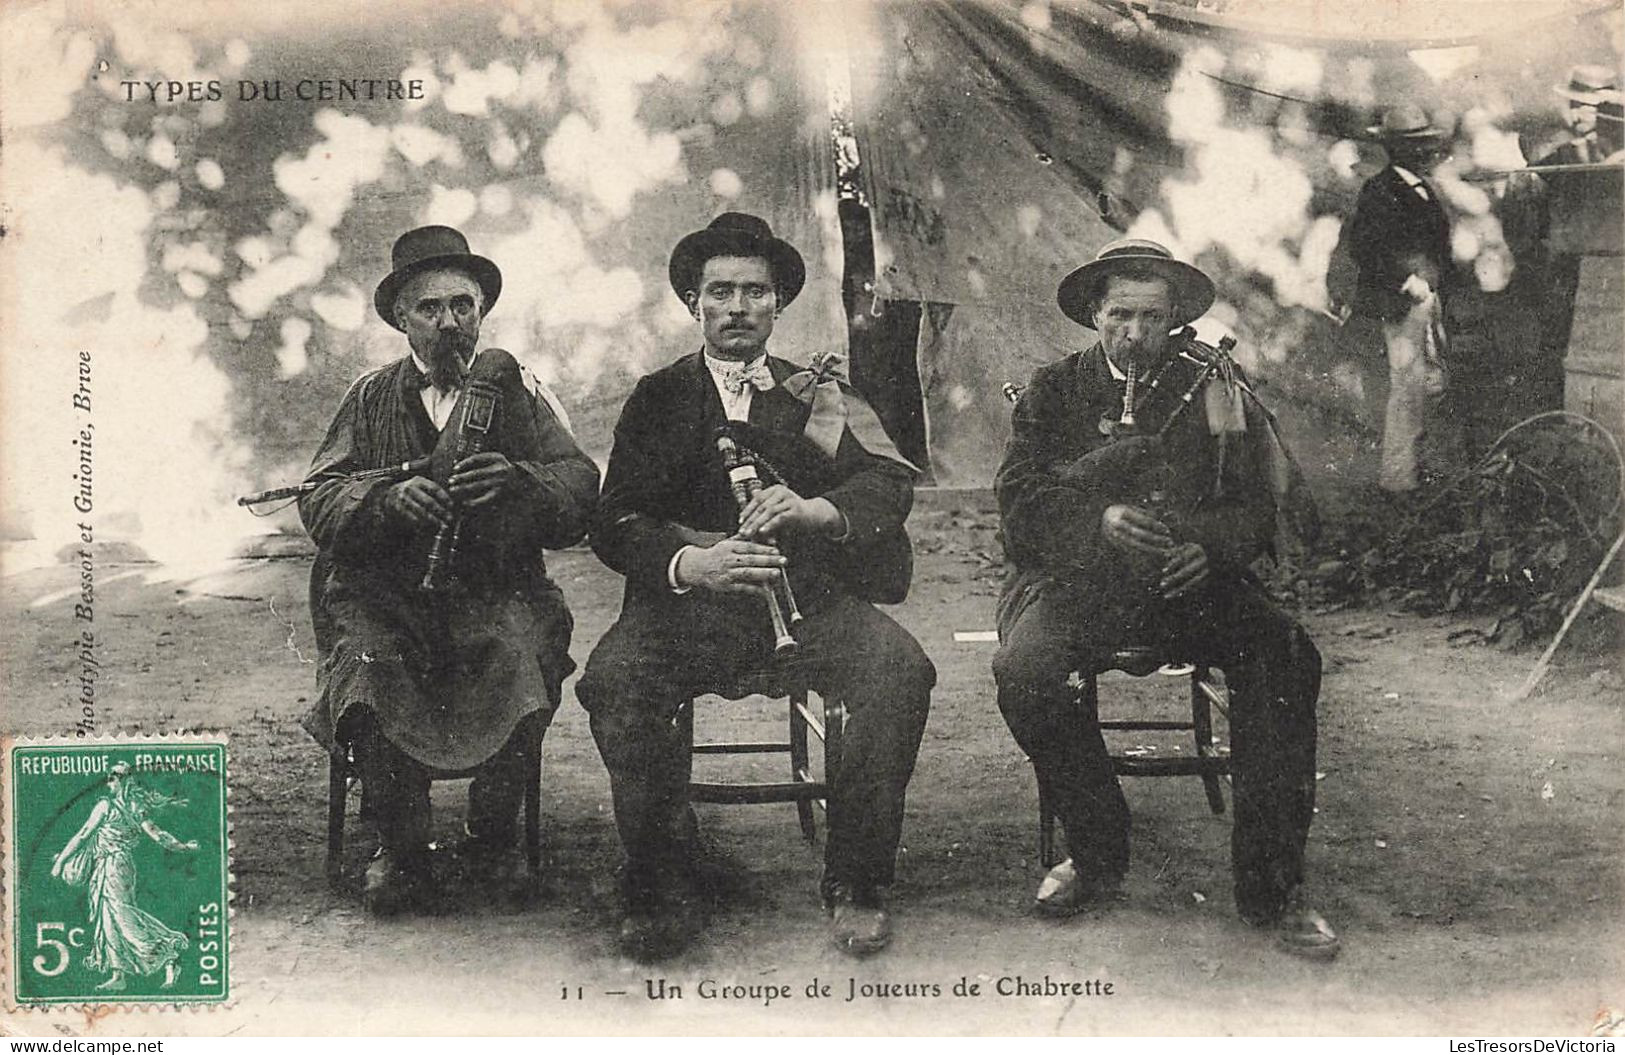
{"x":358,"y":450}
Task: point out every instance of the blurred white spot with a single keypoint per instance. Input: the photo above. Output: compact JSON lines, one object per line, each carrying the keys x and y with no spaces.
{"x":161,"y":152}
{"x":1342,"y":157}
{"x":471,"y":90}
{"x":1493,"y":269}
{"x":727,"y":109}
{"x":503,"y":151}
{"x":1463,"y":243}
{"x":496,"y":200}
{"x":241,"y":328}
{"x":1382,"y":844}
{"x":725,"y":183}
{"x":116,"y":143}
{"x":976,"y":281}
{"x":1291,"y":70}
{"x":959,"y":397}
{"x":192,"y":284}
{"x":1198,"y":897}
{"x":759,"y":97}
{"x":166,"y":195}
{"x":1546,"y":792}
{"x":211,"y":113}
{"x":450,"y":207}
{"x":193,"y":257}
{"x":1035,"y":15}
{"x":344,"y":310}
{"x":291,"y":358}
{"x":210,"y":174}
{"x":238,"y":53}
{"x":938,"y":190}
{"x":1443,"y":63}
{"x":431,"y":87}
{"x":421,"y":145}
{"x":1027,"y":219}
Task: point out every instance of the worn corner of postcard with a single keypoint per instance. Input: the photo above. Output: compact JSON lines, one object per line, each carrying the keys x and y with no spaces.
{"x":117,"y":868}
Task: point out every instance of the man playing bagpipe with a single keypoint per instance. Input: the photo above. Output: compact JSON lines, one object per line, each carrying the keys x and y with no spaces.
{"x":699,"y":569}
{"x":443,"y":642}
{"x":1140,"y":482}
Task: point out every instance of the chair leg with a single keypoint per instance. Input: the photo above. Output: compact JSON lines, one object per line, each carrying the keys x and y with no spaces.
{"x":338,"y":787}
{"x":1202,"y":725}
{"x":834,"y":731}
{"x":799,"y":761}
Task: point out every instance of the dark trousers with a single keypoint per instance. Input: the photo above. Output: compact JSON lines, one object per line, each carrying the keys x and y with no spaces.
{"x":395,"y":787}
{"x":1273,"y":673}
{"x":654,"y":660}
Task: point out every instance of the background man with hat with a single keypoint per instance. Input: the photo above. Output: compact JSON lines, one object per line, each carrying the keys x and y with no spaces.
{"x":413,"y":681}
{"x":1399,"y":239}
{"x":1141,"y":535}
{"x":694,"y":617}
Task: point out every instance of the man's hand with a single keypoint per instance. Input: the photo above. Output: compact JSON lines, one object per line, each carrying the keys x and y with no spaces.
{"x":480,"y":478}
{"x":1135,"y":530}
{"x":1185,"y":570}
{"x":418,"y":501}
{"x":777,"y":509}
{"x":733,"y":565}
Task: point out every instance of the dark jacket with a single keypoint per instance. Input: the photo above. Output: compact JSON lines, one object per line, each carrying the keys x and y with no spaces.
{"x":1060,"y":473}
{"x":1395,"y":232}
{"x":447,"y":677}
{"x":665,"y":483}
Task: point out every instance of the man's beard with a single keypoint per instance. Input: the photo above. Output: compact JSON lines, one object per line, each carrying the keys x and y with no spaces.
{"x":448,"y":360}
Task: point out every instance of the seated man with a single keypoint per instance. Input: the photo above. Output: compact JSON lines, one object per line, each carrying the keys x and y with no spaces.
{"x":695,"y":617}
{"x":1130,"y":516}
{"x":420,"y":680}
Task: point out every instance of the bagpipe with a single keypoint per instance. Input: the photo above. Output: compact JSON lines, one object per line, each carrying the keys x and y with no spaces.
{"x":877,"y":569}
{"x":494,"y":412}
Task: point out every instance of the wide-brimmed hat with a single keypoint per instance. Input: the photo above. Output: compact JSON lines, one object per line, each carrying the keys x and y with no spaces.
{"x":432,"y":248}
{"x":737,"y":234}
{"x":1406,"y":122}
{"x":1080,"y":291}
{"x":1587,"y":84}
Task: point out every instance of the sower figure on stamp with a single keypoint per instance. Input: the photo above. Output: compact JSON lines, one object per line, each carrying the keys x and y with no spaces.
{"x":694,"y":618}
{"x":443,"y":642}
{"x":1130,"y":515}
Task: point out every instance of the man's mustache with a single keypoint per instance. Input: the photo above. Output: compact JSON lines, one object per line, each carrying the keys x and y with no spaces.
{"x":449,"y":359}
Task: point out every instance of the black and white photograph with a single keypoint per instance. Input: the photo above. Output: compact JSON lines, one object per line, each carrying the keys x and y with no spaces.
{"x":835,"y":518}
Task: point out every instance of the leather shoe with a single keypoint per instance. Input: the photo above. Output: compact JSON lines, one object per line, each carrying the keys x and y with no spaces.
{"x":1304,"y":932}
{"x":395,"y":884}
{"x":858,"y":922}
{"x":662,"y":918}
{"x":1066,"y":893}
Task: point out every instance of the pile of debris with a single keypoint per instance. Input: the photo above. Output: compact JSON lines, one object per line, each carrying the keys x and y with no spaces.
{"x":1513,"y":539}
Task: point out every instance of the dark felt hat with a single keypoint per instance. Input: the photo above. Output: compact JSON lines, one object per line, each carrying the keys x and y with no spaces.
{"x":737,"y":234}
{"x":1406,"y":122}
{"x":1080,"y":291}
{"x":428,"y":249}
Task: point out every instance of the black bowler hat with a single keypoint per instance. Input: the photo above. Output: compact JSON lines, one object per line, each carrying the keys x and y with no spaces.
{"x":1080,"y":291}
{"x":737,"y":234}
{"x":428,"y":249}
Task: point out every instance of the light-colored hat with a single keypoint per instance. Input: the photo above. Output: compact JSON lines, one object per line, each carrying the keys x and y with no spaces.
{"x":1588,"y":84}
{"x":1080,"y":291}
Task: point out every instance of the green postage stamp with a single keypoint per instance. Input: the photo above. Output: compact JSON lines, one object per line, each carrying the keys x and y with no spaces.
{"x":117,"y":871}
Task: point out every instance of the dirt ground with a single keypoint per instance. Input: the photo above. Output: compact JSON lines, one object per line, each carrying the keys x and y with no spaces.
{"x":1468,"y":849}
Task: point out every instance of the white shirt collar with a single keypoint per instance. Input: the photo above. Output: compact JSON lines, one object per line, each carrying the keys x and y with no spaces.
{"x":718,"y":367}
{"x":423,"y":367}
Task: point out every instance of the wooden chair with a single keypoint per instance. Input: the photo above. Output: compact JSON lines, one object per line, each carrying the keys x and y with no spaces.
{"x":803,"y":789}
{"x":342,"y":771}
{"x":1206,"y":762}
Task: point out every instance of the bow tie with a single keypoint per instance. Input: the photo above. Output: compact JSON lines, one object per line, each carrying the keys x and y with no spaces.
{"x":736,"y":376}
